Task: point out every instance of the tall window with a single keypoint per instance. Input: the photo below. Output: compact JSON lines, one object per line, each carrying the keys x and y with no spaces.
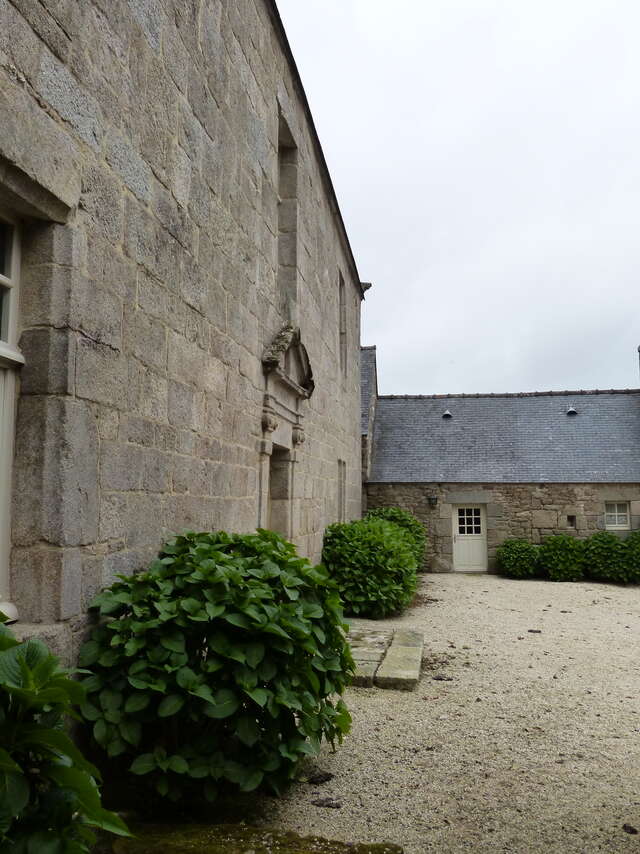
{"x":287,"y":219}
{"x":342,"y":491}
{"x":10,"y":361}
{"x":342,"y":325}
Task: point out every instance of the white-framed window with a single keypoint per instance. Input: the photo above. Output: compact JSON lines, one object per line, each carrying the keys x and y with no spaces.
{"x":10,"y":361}
{"x":617,"y":516}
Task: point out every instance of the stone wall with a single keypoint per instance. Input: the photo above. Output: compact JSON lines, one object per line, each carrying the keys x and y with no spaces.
{"x":524,"y":510}
{"x":140,"y":145}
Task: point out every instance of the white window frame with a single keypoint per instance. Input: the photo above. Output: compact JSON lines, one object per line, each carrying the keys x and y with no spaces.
{"x":10,"y":361}
{"x":621,"y":518}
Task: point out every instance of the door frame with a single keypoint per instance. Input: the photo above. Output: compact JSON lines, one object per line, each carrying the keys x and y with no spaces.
{"x":455,"y":534}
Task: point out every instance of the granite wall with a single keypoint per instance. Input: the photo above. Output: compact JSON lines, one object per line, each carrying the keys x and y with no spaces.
{"x":176,"y":216}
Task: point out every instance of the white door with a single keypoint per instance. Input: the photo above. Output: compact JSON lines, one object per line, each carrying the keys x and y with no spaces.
{"x":469,"y":539}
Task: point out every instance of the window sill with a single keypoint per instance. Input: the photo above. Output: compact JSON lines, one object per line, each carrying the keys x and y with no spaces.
{"x":9,"y":357}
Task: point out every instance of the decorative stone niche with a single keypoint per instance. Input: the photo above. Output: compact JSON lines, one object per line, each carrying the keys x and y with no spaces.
{"x":288,"y":384}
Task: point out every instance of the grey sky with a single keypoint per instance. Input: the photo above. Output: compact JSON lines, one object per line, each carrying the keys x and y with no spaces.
{"x":486,"y":155}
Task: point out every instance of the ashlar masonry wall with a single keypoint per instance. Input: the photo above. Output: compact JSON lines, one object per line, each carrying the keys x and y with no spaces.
{"x":141,"y":149}
{"x":527,"y":511}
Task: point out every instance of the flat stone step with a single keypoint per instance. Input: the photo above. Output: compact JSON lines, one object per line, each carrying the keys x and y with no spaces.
{"x":401,"y":665}
{"x":385,"y":657}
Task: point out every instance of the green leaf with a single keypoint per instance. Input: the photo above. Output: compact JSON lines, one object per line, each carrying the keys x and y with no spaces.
{"x":136,"y":702}
{"x":226,"y":703}
{"x":131,"y":731}
{"x":45,"y":842}
{"x":178,"y":764}
{"x":143,"y":764}
{"x":254,"y":654}
{"x":14,"y":791}
{"x":251,"y":780}
{"x":248,"y":731}
{"x":214,"y":610}
{"x":258,"y":695}
{"x":240,"y":620}
{"x":173,"y":641}
{"x":32,"y":736}
{"x":100,"y":732}
{"x":170,"y":705}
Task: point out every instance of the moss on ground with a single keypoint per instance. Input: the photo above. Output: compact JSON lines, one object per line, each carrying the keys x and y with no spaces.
{"x":234,"y":839}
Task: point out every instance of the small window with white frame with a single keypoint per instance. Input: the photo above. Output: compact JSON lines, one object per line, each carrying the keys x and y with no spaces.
{"x":617,"y":516}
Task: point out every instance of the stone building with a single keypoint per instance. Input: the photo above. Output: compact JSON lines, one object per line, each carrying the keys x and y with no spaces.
{"x":477,"y":469}
{"x":179,"y":342}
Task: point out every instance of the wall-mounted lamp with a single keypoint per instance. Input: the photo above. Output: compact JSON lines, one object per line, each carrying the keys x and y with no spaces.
{"x":433,"y":500}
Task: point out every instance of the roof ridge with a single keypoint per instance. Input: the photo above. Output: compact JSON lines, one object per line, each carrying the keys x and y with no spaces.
{"x":574,"y":392}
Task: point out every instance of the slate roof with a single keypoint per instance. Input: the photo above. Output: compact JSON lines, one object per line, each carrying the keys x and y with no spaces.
{"x":367,"y":385}
{"x":509,"y":438}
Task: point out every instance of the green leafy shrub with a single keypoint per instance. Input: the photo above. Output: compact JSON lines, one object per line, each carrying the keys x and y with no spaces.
{"x":632,"y":548}
{"x":373,"y":562}
{"x":606,"y":558}
{"x":408,"y":522}
{"x":218,"y":668}
{"x":562,"y":558}
{"x":518,"y":559}
{"x":49,"y":798}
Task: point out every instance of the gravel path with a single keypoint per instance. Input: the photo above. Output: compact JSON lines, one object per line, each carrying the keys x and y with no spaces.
{"x":514,"y":741}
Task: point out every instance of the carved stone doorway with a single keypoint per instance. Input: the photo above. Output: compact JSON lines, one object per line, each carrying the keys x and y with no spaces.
{"x":288,"y":384}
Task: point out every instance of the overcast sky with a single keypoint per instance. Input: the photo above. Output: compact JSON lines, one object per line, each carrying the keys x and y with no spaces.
{"x":486,"y":156}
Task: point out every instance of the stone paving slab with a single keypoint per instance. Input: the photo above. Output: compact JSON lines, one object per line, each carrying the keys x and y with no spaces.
{"x":400,"y":668}
{"x":384,"y":657}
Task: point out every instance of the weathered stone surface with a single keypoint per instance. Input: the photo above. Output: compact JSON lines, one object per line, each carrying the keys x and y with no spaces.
{"x":54,"y":163}
{"x":401,"y":666}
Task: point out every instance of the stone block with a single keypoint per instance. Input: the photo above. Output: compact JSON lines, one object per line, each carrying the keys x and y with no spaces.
{"x":364,"y":674}
{"x":59,"y":475}
{"x":54,"y":163}
{"x":49,"y":361}
{"x":148,"y":393}
{"x":121,"y":467}
{"x":47,"y":582}
{"x":402,"y":663}
{"x":544,"y":519}
{"x":156,"y":471}
{"x":102,"y":200}
{"x":150,"y":17}
{"x":101,"y":373}
{"x":70,"y":100}
{"x":126,"y":161}
{"x":137,"y":431}
{"x":146,"y":339}
{"x":51,"y":243}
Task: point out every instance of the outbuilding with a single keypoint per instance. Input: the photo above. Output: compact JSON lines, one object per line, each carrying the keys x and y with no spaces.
{"x":477,"y":469}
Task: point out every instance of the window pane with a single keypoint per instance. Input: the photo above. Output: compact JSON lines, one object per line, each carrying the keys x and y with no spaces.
{"x":476,"y":529}
{"x":611,"y":518}
{"x":5,"y":248}
{"x":4,"y":313}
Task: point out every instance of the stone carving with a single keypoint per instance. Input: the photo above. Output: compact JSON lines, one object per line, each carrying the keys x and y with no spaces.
{"x":287,"y":357}
{"x":298,"y":436}
{"x":269,"y":422}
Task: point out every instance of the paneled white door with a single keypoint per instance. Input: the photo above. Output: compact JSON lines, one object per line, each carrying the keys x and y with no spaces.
{"x":469,"y":539}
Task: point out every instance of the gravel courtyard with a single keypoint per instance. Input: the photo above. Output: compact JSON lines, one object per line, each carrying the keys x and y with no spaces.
{"x":522,"y":736}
